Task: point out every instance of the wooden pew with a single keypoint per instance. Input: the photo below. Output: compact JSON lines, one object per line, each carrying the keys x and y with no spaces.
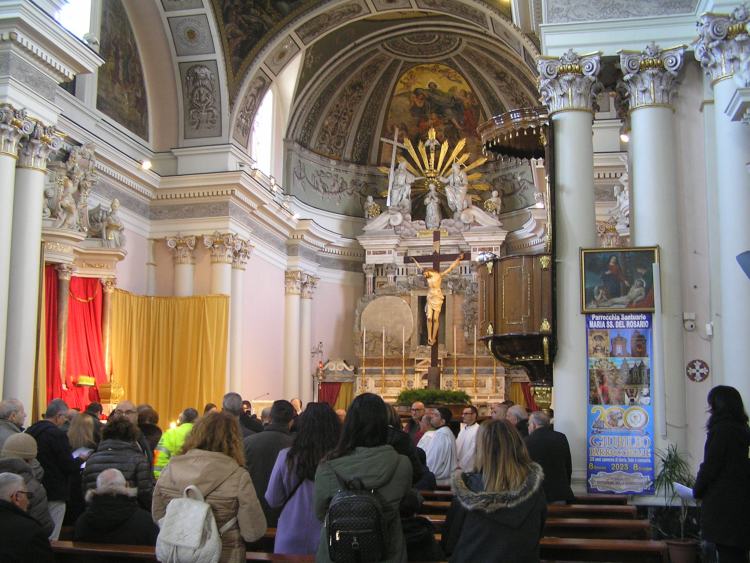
{"x":597,"y":528}
{"x":592,"y":510}
{"x":74,"y":552}
{"x":621,"y":551}
{"x":600,"y":498}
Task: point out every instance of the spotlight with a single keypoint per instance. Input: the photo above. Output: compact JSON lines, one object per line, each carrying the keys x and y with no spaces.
{"x":146,"y":164}
{"x":625,"y":137}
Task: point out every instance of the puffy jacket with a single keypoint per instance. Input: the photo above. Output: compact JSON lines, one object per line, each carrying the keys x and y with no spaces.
{"x":226,"y":487}
{"x":170,"y":444}
{"x":21,"y":537}
{"x":38,"y":508}
{"x":126,"y":457}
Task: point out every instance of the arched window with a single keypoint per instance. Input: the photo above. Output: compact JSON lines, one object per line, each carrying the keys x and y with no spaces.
{"x":261,"y":136}
{"x":75,"y":16}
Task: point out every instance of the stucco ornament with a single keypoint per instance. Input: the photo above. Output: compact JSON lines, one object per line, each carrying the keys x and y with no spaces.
{"x":723,"y":42}
{"x":650,"y":76}
{"x":569,"y":82}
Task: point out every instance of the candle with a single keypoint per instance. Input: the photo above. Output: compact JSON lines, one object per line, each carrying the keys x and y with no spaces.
{"x":475,"y":341}
{"x":364,"y":340}
{"x":403,"y":341}
{"x":383,"y":342}
{"x":455,"y":340}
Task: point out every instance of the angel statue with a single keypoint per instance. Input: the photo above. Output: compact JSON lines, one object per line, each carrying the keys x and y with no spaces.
{"x":456,"y":186}
{"x":67,"y":207}
{"x":107,"y":225}
{"x":435,"y":296}
{"x":401,"y":189}
{"x":371,"y":207}
{"x":494,"y":204}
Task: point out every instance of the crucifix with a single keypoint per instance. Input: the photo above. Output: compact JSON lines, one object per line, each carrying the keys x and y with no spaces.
{"x":435,"y":298}
{"x":395,"y":146}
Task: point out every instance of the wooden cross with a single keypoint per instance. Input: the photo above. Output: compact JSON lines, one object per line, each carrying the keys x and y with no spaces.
{"x":433,"y":375}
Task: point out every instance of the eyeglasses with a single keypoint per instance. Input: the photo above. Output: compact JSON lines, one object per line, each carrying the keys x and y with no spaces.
{"x":416,"y":410}
{"x":118,"y":411}
{"x":27,"y":493}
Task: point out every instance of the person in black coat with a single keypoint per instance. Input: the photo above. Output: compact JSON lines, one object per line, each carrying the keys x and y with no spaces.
{"x":498,"y":512}
{"x":113,"y":514}
{"x":56,"y":458}
{"x":118,"y":450}
{"x":262,"y":449}
{"x":550,"y":449}
{"x":723,"y":482}
{"x":22,"y":539}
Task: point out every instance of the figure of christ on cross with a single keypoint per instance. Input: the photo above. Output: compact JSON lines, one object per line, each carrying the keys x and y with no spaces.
{"x":435,"y":298}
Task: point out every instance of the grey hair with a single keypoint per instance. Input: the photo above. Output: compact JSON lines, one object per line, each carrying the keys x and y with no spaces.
{"x":188,"y":415}
{"x":10,"y":483}
{"x":9,"y":407}
{"x":232,"y":403}
{"x":111,"y":482}
{"x":539,"y":418}
{"x":519,"y":412}
{"x":56,"y":406}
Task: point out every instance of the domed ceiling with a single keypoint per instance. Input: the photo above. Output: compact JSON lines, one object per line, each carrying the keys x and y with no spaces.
{"x":414,"y":72}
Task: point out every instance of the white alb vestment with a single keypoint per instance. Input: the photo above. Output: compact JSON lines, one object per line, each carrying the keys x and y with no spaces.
{"x":466,"y":447}
{"x":441,"y":455}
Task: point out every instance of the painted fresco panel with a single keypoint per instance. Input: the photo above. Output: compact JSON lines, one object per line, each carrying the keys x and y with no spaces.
{"x":202,"y":99}
{"x":434,"y":95}
{"x":121,"y":91}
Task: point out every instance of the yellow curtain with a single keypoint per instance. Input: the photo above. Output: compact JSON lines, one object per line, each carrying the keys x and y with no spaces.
{"x":516,"y":395}
{"x":345,"y":397}
{"x":170,"y":352}
{"x":39,"y":405}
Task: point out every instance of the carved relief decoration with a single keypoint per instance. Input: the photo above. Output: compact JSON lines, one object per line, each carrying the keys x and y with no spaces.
{"x":569,"y":82}
{"x":202,"y":100}
{"x":650,"y":77}
{"x":723,"y":42}
{"x":182,"y":248}
{"x":36,"y":149}
{"x":242,"y":252}
{"x":191,"y":35}
{"x":14,"y":124}
{"x":222,"y":247}
{"x":293,"y":282}
{"x":250,"y":103}
{"x":309,"y":284}
{"x":66,"y":194}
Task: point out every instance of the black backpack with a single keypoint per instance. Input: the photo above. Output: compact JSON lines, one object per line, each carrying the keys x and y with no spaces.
{"x":355,"y":524}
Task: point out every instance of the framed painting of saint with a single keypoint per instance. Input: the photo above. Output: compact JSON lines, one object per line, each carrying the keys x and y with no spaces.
{"x":618,"y":279}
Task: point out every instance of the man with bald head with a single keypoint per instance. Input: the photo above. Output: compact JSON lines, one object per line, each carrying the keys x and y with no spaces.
{"x":412,"y":425}
{"x":126,"y":409}
{"x":551,"y":450}
{"x":498,"y":411}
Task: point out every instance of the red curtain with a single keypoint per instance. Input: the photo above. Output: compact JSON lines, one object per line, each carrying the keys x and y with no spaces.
{"x":85,"y":352}
{"x":54,"y":387}
{"x":328,"y":393}
{"x":529,"y":397}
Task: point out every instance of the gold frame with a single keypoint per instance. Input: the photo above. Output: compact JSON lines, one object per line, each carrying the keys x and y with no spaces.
{"x":587,"y":307}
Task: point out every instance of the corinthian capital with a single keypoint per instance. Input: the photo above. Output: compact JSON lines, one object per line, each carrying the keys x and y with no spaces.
{"x":723,"y":42}
{"x":242,"y":252}
{"x":569,"y":82}
{"x":13,"y":125}
{"x":650,"y":77}
{"x":309,"y":283}
{"x":183,"y":248}
{"x":35,"y":150}
{"x":222,"y":246}
{"x":293,"y":282}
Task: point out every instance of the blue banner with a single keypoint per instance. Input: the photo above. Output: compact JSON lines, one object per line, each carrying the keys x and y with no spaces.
{"x":620,"y":419}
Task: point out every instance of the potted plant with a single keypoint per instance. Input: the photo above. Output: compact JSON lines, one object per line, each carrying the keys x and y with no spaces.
{"x":676,"y":469}
{"x":454,"y":400}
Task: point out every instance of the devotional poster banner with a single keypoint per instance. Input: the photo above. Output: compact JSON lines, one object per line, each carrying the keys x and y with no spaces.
{"x":620,"y":421}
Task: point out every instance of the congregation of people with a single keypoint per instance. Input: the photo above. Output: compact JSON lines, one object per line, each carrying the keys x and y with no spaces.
{"x":111,"y":481}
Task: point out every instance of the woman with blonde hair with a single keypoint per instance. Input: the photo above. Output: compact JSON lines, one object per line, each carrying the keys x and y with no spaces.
{"x":501,"y":508}
{"x":81,"y":433}
{"x":213,"y":460}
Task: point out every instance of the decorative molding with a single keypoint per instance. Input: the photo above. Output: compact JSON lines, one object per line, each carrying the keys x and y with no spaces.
{"x":109,"y":285}
{"x":293,"y":282}
{"x":37,"y":148}
{"x":222,"y":247}
{"x":650,"y":77}
{"x":723,"y":42}
{"x":14,"y":124}
{"x":569,"y":82}
{"x":309,"y":284}
{"x":242,"y":252}
{"x":64,"y":271}
{"x":183,"y":248}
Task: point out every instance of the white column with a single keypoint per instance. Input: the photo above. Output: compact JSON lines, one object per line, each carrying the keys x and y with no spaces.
{"x":184,"y":264}
{"x":221,"y":247}
{"x":650,"y":80}
{"x":25,"y":267}
{"x":721,"y":49}
{"x":293,"y":289}
{"x":151,"y":267}
{"x":568,"y":89}
{"x":305,"y":339}
{"x":13,"y":124}
{"x":236,"y":315}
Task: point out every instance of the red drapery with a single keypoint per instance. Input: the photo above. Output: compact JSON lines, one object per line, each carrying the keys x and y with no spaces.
{"x":529,"y":397}
{"x":328,"y":393}
{"x":54,"y":387}
{"x":85,"y":354}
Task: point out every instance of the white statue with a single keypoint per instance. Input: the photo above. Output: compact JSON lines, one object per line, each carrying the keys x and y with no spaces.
{"x":432,"y":208}
{"x":456,"y":186}
{"x":67,"y":207}
{"x":401,"y":188}
{"x":107,"y":225}
{"x":494,"y":205}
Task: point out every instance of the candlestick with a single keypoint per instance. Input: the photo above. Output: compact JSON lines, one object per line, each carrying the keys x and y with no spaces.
{"x":403,"y":357}
{"x":382,"y":369}
{"x":475,"y":359}
{"x":455,"y":358}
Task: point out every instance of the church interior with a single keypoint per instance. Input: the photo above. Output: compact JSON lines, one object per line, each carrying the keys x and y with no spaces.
{"x":202,"y":196}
